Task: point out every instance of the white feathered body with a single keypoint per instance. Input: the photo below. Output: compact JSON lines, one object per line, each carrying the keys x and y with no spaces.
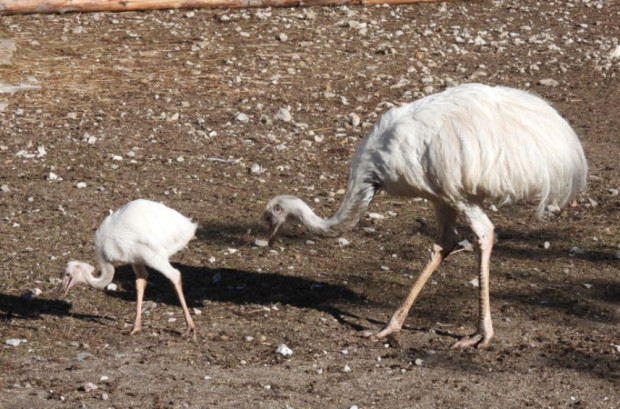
{"x":469,"y":143}
{"x":141,"y":228}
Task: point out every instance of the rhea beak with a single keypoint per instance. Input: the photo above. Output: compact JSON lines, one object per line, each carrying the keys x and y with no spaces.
{"x":275,"y":229}
{"x":274,"y":226}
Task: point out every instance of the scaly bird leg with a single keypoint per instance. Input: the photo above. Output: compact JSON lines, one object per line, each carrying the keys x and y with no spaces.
{"x":484,"y":333}
{"x":141,"y":276}
{"x":397,"y":320}
{"x":191,"y":328}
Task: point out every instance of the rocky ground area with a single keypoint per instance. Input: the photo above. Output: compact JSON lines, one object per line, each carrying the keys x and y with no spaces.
{"x":215,"y":111}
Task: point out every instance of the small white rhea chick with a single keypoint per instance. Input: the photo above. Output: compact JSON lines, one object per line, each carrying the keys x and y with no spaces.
{"x":141,"y":233}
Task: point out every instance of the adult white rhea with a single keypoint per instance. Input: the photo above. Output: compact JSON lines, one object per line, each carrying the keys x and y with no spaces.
{"x":455,"y":149}
{"x":141,"y":233}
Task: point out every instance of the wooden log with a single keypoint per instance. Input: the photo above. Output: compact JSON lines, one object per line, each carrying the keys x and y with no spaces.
{"x":65,"y":6}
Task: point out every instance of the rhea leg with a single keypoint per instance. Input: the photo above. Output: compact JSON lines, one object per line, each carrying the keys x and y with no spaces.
{"x":141,"y":276}
{"x":444,"y":244}
{"x":483,"y":228}
{"x":163,"y":265}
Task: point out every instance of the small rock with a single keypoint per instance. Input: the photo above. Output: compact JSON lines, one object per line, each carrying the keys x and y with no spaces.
{"x":613,"y":192}
{"x":80,"y":185}
{"x":576,"y":250}
{"x":614,"y":53}
{"x":418,"y":362}
{"x":30,"y":294}
{"x":282,"y":37}
{"x":261,"y":243}
{"x":546,"y":245}
{"x":385,"y":268}
{"x":376,"y":216}
{"x":14,"y":341}
{"x":475,"y":283}
{"x":217,"y":277}
{"x":346,"y":369}
{"x":87,"y":387}
{"x":343,"y":242}
{"x":104,"y":396}
{"x":549,"y":82}
{"x":354,"y":120}
{"x":283,"y":350}
{"x":256,"y":169}
{"x":283,"y":114}
{"x":592,"y":203}
{"x":112,"y":287}
{"x":587,"y":285}
{"x":241,"y":117}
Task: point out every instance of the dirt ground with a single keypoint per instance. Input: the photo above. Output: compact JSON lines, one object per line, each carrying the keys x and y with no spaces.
{"x":213,"y":112}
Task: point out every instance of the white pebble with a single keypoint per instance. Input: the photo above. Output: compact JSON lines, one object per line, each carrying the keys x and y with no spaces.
{"x":283,"y":114}
{"x":549,"y":82}
{"x":87,"y":387}
{"x":261,"y":243}
{"x":354,"y":119}
{"x":14,"y":341}
{"x":112,"y":287}
{"x":283,"y":350}
{"x":343,"y":242}
{"x":256,"y":169}
{"x":282,"y":37}
{"x":546,"y":245}
{"x":475,"y":283}
{"x":418,"y":362}
{"x":587,"y":285}
{"x":241,"y":117}
{"x":346,"y":369}
{"x":80,"y":185}
{"x":376,"y":216}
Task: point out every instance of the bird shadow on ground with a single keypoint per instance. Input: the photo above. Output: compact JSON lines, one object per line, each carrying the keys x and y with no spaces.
{"x":242,"y":287}
{"x":18,"y":307}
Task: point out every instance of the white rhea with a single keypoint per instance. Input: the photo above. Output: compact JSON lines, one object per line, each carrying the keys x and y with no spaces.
{"x":141,"y":233}
{"x":455,"y":149}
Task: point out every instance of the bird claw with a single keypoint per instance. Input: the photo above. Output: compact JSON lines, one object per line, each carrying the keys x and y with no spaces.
{"x":375,"y":335}
{"x":477,"y":340}
{"x":190,"y":333}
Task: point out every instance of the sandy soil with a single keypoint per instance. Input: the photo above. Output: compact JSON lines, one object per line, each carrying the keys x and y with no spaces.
{"x":215,"y":111}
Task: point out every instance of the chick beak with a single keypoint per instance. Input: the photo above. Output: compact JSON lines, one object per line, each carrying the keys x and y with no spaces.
{"x":67,"y":283}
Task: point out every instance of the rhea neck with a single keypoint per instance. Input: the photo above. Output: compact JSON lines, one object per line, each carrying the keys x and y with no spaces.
{"x":105,"y":278}
{"x":351,"y":209}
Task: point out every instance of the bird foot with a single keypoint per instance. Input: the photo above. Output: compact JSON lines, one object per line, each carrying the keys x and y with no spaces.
{"x":190,"y":333}
{"x":477,"y":340}
{"x":372,"y":334}
{"x":135,"y":331}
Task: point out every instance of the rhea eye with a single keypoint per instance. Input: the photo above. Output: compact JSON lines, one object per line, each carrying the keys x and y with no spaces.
{"x":277,"y":209}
